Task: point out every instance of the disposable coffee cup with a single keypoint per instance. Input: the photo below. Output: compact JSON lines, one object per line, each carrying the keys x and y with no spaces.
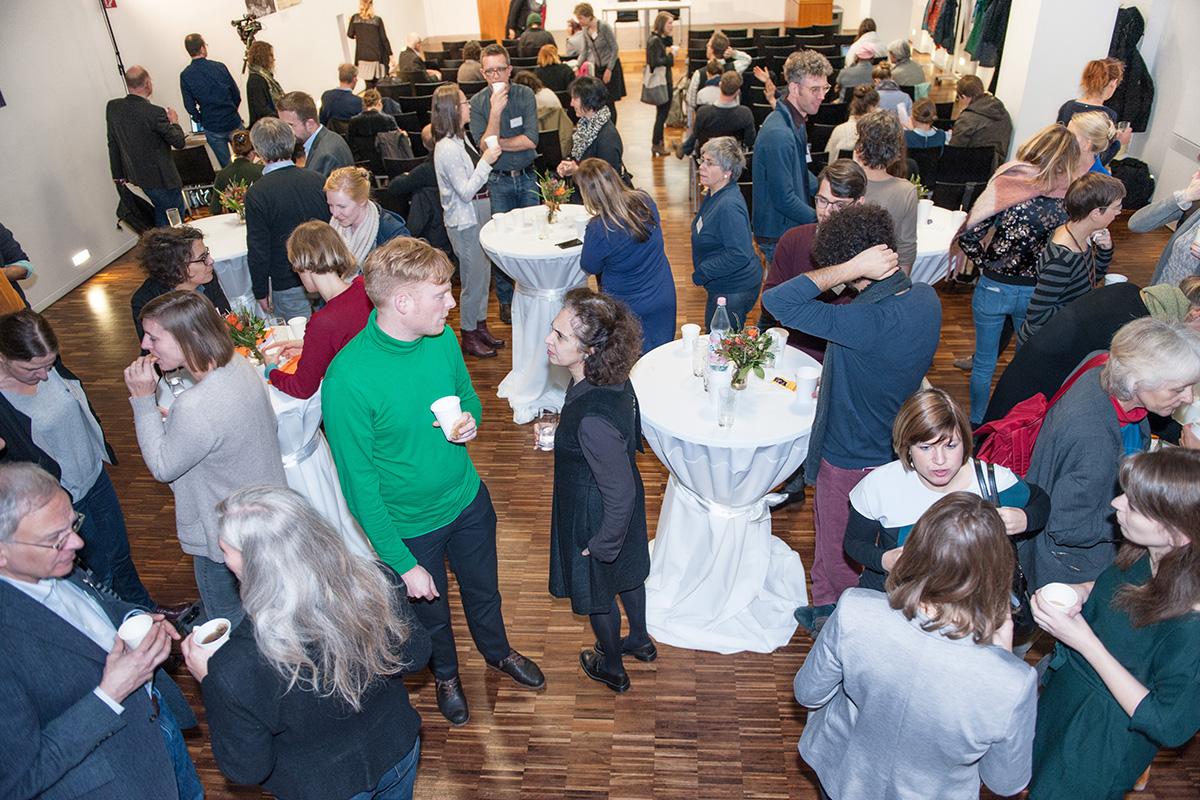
{"x":298,"y":326}
{"x":1059,"y":595}
{"x":491,"y":141}
{"x":212,"y":634}
{"x":806,"y":383}
{"x":134,"y":629}
{"x":1114,"y":277}
{"x":924,"y":209}
{"x":498,"y":87}
{"x":690,"y":332}
{"x":447,"y":410}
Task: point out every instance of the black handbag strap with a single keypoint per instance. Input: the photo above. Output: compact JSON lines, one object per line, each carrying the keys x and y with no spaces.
{"x":986,"y":475}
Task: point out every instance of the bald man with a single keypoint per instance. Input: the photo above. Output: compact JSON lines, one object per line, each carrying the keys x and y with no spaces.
{"x":140,"y":138}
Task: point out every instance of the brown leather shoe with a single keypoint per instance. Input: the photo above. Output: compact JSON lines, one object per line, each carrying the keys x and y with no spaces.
{"x":486,"y":335}
{"x":474,"y":345}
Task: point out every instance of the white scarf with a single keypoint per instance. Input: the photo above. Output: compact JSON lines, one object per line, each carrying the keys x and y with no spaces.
{"x":360,"y":240}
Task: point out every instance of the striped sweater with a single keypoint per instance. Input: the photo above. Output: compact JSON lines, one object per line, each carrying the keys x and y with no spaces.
{"x":1063,"y":276}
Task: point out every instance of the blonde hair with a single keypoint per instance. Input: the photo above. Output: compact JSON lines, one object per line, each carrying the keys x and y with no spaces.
{"x":1055,"y":152}
{"x":366,"y":9}
{"x":400,"y":263}
{"x":1094,"y":126}
{"x":315,"y":247}
{"x":547,"y":55}
{"x":355,"y":182}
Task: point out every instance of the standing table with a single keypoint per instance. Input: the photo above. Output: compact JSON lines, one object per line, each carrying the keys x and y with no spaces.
{"x":543,"y":273}
{"x":225,"y":238}
{"x":718,"y":579}
{"x":933,"y":244}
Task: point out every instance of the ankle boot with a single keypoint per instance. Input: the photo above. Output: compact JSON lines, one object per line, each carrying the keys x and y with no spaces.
{"x":474,"y":345}
{"x":486,"y":335}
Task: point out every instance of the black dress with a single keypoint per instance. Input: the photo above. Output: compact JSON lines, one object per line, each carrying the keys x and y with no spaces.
{"x":599,"y":502}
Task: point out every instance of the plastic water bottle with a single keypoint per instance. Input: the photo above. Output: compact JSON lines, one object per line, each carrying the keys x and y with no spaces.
{"x":718,"y":328}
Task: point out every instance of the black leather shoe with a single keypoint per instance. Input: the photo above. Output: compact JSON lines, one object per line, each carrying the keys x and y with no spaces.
{"x":593,"y":667}
{"x":452,"y":702}
{"x":647,"y":652}
{"x":506,"y":313}
{"x":486,"y":335}
{"x":524,"y":672}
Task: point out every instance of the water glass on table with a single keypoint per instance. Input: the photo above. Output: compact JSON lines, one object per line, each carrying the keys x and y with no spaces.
{"x":173,"y":217}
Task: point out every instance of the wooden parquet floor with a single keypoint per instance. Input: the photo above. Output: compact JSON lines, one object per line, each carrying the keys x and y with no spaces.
{"x":696,"y":726}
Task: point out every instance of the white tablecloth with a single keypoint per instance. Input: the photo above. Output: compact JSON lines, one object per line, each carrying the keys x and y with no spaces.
{"x":543,"y":273}
{"x":933,"y":244}
{"x":225,"y":238}
{"x":718,"y":579}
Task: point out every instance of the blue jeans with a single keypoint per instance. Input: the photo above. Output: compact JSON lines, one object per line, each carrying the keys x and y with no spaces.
{"x":738,"y":304}
{"x":397,"y":782}
{"x":767,"y":245}
{"x":219,"y":591}
{"x":164,"y":199}
{"x":508,"y":192}
{"x":992,"y":303}
{"x":186,"y":778}
{"x":219,"y":142}
{"x":106,"y":542}
{"x":289,"y":303}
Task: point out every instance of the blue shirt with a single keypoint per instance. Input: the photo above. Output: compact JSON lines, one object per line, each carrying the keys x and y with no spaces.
{"x":210,"y":95}
{"x":308,"y":143}
{"x":274,"y":165}
{"x":723,"y":258}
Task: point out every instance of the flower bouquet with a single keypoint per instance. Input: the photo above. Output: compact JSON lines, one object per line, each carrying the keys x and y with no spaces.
{"x":233,"y":198}
{"x":554,"y":191}
{"x":748,"y":350}
{"x":248,"y":332}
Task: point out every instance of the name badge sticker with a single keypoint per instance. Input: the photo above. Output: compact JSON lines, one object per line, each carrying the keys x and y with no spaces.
{"x":515,"y":122}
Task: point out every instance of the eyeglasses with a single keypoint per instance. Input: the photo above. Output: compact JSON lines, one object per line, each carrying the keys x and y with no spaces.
{"x":204,"y":257}
{"x":837,"y":205}
{"x":61,"y":541}
{"x":496,"y":71}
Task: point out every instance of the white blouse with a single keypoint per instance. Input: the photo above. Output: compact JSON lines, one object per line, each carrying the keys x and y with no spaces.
{"x":458,"y":181}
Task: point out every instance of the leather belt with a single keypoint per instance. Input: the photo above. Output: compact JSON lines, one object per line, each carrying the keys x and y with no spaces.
{"x":512,"y":173}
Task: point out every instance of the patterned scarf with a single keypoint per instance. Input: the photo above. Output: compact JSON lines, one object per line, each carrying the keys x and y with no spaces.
{"x":360,"y":240}
{"x":272,"y":85}
{"x":586,"y":132}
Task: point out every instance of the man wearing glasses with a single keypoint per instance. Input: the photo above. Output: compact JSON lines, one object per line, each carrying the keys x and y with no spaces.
{"x":783,"y":186}
{"x":85,"y":715}
{"x":509,"y":111}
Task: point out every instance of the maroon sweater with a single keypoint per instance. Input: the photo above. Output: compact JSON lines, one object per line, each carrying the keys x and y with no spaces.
{"x":328,"y":332}
{"x":793,"y":256}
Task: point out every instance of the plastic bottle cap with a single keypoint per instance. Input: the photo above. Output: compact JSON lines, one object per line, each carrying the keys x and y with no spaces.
{"x":720,"y":301}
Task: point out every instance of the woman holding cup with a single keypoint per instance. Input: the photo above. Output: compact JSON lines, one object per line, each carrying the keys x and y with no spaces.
{"x":312,"y":669}
{"x":465,"y":207}
{"x":325,"y":265}
{"x":598,"y":546}
{"x":1122,"y":682}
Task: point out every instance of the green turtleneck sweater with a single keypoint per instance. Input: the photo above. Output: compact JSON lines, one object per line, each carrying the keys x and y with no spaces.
{"x":400,"y":475}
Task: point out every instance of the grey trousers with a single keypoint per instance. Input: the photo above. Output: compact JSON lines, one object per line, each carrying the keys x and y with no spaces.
{"x":474,"y":269}
{"x":288,"y":303}
{"x":218,"y":590}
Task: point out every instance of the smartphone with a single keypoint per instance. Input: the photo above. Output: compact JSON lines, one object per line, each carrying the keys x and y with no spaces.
{"x":570,"y":243}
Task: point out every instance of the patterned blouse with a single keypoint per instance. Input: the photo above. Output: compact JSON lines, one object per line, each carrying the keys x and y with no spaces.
{"x":1022,"y":231}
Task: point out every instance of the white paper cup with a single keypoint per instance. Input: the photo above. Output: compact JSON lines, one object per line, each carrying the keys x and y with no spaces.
{"x":134,"y":629}
{"x":491,"y":141}
{"x":206,"y":634}
{"x":1059,"y":595}
{"x":497,"y":87}
{"x":447,"y":410}
{"x":806,"y":384}
{"x":298,"y":326}
{"x":1114,"y":277}
{"x":924,"y":209}
{"x":690,"y":332}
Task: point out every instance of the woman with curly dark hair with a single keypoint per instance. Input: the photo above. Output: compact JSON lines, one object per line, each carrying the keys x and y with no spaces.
{"x":174,"y":258}
{"x":598,"y":547}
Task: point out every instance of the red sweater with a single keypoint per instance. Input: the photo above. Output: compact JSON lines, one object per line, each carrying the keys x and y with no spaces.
{"x":792,"y":258}
{"x":328,"y":331}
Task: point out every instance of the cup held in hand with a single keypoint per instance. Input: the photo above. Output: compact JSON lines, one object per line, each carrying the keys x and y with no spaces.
{"x":212,"y":634}
{"x":447,"y":410}
{"x":491,"y":141}
{"x":1059,"y":595}
{"x":134,"y":629}
{"x":1114,"y":277}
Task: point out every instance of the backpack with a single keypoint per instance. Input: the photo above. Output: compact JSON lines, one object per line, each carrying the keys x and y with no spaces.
{"x":677,"y":116}
{"x":1009,"y":441}
{"x":1139,"y":183}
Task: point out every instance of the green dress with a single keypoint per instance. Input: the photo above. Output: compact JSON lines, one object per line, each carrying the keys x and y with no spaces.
{"x":1085,"y":745}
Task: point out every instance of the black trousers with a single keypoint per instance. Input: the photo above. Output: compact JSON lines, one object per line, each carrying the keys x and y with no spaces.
{"x":660,"y":121}
{"x":470,"y":544}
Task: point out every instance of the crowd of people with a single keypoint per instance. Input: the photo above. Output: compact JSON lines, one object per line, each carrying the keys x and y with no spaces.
{"x":936,"y":545}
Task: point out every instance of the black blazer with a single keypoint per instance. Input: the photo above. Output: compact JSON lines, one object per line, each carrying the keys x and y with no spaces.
{"x":275,"y":205}
{"x":59,"y":740}
{"x":297,"y":744}
{"x":140,"y":138}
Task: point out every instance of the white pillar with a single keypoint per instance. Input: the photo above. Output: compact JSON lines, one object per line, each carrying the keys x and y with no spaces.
{"x":1046,"y":47}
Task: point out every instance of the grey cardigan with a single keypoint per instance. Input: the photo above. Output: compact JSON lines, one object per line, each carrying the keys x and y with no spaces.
{"x":601,"y":51}
{"x":1156,"y":214}
{"x":219,"y":437}
{"x":1076,"y":460}
{"x":900,"y":713}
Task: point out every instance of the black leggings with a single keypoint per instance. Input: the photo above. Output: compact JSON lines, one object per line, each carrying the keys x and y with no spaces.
{"x":660,"y":120}
{"x":607,"y":627}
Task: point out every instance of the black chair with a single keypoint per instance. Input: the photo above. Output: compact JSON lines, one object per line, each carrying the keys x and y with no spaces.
{"x":528,"y":62}
{"x":837,"y":62}
{"x":417,"y":144}
{"x":818,"y":136}
{"x":809,"y":41}
{"x":564,"y":98}
{"x":736,"y":33}
{"x":451,"y":63}
{"x":399,"y":166}
{"x":471,"y":88}
{"x":962,"y":173}
{"x":761,"y":111}
{"x":454,"y":48}
{"x":700,"y":35}
{"x":830,"y":51}
{"x":842,"y":39}
{"x":365,"y":154}
{"x":820,"y":160}
{"x":417,"y":105}
{"x":911,"y":91}
{"x":945,"y":110}
{"x":695,"y":64}
{"x":777,"y":55}
{"x":339,"y":126}
{"x":775,"y":41}
{"x":426,"y":88}
{"x":825,"y":30}
{"x":549,"y":151}
{"x":449,"y":74}
{"x":753,"y":94}
{"x":408,"y":121}
{"x":758,"y":33}
{"x":741,"y":43}
{"x":435,"y":58}
{"x":944,"y":124}
{"x":845,"y":154}
{"x":510,"y":44}
{"x":831,"y":114}
{"x":747,"y":188}
{"x":927,"y":159}
{"x":394,"y":90}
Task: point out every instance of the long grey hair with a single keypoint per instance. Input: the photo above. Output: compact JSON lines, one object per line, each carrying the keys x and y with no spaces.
{"x":324,"y":618}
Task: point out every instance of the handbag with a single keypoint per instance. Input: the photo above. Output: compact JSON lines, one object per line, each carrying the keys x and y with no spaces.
{"x":656,"y":90}
{"x":1022,"y":612}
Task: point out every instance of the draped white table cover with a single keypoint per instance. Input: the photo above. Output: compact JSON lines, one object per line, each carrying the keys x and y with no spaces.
{"x":225,"y":238}
{"x":719,"y":580}
{"x":543,"y":273}
{"x":933,"y":244}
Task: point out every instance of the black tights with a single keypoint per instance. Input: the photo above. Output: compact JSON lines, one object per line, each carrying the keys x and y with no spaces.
{"x":607,"y":627}
{"x":660,"y":119}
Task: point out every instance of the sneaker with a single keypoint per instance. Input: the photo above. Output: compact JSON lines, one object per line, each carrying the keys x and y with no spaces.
{"x":963,"y":363}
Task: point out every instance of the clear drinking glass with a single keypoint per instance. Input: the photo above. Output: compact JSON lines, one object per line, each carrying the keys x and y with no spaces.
{"x":726,"y":405}
{"x":544,"y":428}
{"x":173,"y":217}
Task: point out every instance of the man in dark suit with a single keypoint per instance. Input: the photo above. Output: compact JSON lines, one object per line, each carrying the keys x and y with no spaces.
{"x":324,"y":150}
{"x":84,"y":714}
{"x":342,"y":103}
{"x":276,"y":203}
{"x":140,"y":138}
{"x":211,"y":96}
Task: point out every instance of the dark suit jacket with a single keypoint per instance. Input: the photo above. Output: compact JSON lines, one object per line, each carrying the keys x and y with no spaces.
{"x":275,"y":205}
{"x":328,"y":152}
{"x":140,"y":138}
{"x":339,"y":104}
{"x":59,"y":740}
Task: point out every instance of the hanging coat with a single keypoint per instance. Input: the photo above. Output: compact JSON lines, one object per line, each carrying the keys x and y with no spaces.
{"x":991,"y":39}
{"x":1135,"y":96}
{"x":944,"y":34}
